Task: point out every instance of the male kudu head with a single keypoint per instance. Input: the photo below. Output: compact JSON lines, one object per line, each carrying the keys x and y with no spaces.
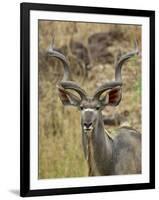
{"x":109,"y":93}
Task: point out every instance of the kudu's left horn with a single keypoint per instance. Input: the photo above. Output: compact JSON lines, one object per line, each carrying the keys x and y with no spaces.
{"x":66,"y":81}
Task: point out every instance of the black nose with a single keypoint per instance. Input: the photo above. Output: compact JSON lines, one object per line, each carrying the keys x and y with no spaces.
{"x":87,"y":125}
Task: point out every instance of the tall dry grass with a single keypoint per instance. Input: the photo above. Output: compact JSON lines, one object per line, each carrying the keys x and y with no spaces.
{"x":60,"y":147}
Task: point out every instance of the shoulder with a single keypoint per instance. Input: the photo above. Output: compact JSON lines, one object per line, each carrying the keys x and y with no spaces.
{"x":127,"y":135}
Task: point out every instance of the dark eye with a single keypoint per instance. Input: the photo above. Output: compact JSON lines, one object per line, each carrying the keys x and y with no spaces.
{"x":81,"y":107}
{"x":97,"y":107}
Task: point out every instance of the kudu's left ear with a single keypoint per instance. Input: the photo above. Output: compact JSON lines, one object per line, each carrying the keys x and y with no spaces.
{"x":67,"y":98}
{"x":112,"y":97}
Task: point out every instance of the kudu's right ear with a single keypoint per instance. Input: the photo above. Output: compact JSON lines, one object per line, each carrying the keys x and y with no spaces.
{"x":112,"y":97}
{"x":115,"y":96}
{"x":68,"y":98}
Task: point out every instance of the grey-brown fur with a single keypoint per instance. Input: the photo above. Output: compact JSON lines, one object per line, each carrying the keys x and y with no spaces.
{"x":127,"y":153}
{"x":107,"y":156}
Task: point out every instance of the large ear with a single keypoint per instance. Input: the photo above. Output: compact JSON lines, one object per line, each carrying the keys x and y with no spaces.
{"x":112,"y":97}
{"x":68,"y":98}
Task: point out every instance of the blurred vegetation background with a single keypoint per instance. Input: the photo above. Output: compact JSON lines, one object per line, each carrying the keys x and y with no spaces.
{"x":60,"y":146}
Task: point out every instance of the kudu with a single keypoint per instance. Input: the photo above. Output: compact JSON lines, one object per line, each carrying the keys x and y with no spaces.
{"x":105,"y":155}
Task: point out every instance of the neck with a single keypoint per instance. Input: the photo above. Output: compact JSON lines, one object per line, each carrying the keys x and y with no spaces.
{"x":99,"y":149}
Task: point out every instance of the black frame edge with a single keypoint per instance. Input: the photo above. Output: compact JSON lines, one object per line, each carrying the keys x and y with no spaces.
{"x":24,"y":102}
{"x":152,"y":99}
{"x":93,"y":189}
{"x":87,"y":9}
